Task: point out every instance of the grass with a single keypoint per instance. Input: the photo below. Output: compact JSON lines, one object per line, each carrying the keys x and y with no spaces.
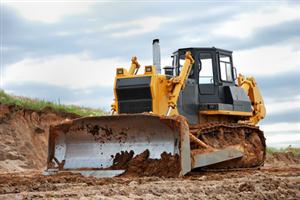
{"x":295,"y":151}
{"x":37,"y":104}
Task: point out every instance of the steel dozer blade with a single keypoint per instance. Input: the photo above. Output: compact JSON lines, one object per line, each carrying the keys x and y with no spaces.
{"x":106,"y":146}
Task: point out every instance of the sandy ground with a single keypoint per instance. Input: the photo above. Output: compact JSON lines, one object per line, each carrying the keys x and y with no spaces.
{"x":278,"y":179}
{"x":267,"y":183}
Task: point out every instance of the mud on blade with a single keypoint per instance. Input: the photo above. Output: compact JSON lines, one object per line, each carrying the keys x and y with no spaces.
{"x":137,"y":143}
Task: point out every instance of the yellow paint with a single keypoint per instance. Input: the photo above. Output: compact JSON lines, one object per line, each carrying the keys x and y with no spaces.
{"x":165,"y":93}
{"x":134,"y":66}
{"x":176,"y":84}
{"x":258,"y":107}
{"x":225,"y":112}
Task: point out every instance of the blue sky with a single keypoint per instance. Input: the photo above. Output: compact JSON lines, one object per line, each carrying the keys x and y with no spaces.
{"x":67,"y":51}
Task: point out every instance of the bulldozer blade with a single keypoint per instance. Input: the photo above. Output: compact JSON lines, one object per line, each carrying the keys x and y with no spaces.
{"x":108,"y":145}
{"x":206,"y":159}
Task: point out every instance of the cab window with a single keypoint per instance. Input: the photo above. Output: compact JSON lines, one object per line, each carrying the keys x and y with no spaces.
{"x":225,"y":68}
{"x":206,"y":69}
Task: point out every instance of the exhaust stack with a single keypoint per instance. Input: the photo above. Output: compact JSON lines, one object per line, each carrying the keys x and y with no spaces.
{"x":156,"y":55}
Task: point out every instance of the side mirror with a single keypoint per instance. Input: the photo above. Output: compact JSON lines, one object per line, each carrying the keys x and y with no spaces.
{"x":234,"y":73}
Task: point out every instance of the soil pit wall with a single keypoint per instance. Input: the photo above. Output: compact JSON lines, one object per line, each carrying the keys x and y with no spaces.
{"x":24,"y":136}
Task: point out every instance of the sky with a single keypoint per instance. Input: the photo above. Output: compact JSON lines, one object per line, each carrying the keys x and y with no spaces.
{"x":67,"y":51}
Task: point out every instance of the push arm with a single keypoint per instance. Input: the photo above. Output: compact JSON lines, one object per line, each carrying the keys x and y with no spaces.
{"x":177,"y":83}
{"x":252,"y":90}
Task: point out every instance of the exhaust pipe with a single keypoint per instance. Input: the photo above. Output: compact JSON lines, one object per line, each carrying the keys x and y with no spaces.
{"x":156,"y":55}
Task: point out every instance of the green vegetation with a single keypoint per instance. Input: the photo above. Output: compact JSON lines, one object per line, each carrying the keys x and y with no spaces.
{"x":295,"y":151}
{"x":37,"y":104}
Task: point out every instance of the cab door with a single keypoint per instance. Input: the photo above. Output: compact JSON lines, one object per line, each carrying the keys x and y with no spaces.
{"x":206,"y":75}
{"x":188,"y":99}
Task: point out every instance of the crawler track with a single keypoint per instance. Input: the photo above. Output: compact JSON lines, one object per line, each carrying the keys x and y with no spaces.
{"x":250,"y":139}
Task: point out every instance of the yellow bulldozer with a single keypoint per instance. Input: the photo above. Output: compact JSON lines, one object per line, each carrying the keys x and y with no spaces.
{"x":198,"y":115}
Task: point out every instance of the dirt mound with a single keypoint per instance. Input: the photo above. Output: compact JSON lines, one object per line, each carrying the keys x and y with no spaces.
{"x":24,"y":136}
{"x":287,"y":157}
{"x":282,"y":158}
{"x":141,"y":165}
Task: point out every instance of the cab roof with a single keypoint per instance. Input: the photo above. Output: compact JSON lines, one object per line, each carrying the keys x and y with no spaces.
{"x":204,"y":49}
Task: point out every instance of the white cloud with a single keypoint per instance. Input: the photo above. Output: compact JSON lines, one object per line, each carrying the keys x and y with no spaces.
{"x":48,"y":11}
{"x":245,"y":24}
{"x":285,"y":138}
{"x":76,"y":71}
{"x":136,"y":27}
{"x":282,"y":134}
{"x":281,"y":127}
{"x":123,"y":29}
{"x":72,"y":71}
{"x":275,"y":107}
{"x":268,"y":60}
{"x":104,"y":102}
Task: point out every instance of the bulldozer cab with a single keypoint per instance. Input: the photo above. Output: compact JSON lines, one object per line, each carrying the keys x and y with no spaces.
{"x":211,"y":83}
{"x":212,"y":65}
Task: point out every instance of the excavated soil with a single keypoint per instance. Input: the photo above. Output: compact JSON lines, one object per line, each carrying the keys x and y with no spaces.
{"x":141,"y":165}
{"x":24,"y":136}
{"x":23,"y":149}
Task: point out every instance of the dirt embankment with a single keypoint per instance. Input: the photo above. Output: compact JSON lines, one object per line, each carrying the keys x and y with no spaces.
{"x":24,"y":136}
{"x":282,"y":159}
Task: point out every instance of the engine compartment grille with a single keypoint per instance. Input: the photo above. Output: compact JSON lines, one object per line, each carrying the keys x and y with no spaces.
{"x":134,"y":95}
